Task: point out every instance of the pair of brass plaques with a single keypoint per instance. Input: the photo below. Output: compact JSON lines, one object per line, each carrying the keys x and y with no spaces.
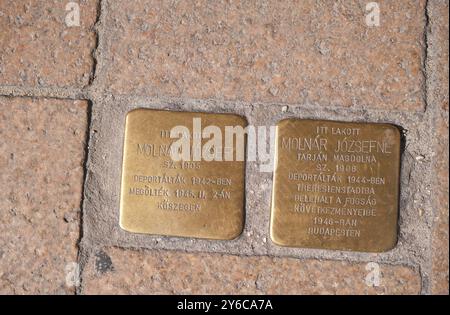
{"x":336,"y":185}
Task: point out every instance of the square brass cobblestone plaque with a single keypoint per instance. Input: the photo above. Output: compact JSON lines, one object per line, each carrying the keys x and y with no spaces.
{"x":336,"y":185}
{"x":193,"y":197}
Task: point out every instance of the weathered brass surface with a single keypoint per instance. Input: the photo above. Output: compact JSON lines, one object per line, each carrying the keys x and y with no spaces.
{"x":336,"y":185}
{"x":202,"y":199}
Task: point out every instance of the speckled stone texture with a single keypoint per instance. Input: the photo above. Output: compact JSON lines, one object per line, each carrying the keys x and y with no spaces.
{"x":166,"y":272}
{"x":277,"y":51}
{"x":41,"y":179}
{"x":38,"y":49}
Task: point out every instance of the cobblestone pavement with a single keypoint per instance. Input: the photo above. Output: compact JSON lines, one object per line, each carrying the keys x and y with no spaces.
{"x":71,"y":70}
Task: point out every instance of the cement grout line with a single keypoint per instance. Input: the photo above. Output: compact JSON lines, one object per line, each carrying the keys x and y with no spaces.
{"x":425,"y":55}
{"x":83,"y":251}
{"x":89,"y":93}
{"x":45,"y":92}
{"x":415,"y":266}
{"x":83,"y":195}
{"x":351,"y":260}
{"x":433,"y":107}
{"x":100,"y":50}
{"x":93,"y":53}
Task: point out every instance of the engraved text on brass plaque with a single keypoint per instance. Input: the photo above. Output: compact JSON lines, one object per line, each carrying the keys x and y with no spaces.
{"x":190,"y":197}
{"x":336,"y":185}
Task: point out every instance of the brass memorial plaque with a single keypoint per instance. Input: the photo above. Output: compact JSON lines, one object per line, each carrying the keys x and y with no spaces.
{"x":336,"y":185}
{"x":200,"y":193}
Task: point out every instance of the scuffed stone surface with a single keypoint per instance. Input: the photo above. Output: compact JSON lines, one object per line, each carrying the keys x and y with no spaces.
{"x":167,"y":272}
{"x":39,"y":49}
{"x":273,"y":51}
{"x":41,"y":178}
